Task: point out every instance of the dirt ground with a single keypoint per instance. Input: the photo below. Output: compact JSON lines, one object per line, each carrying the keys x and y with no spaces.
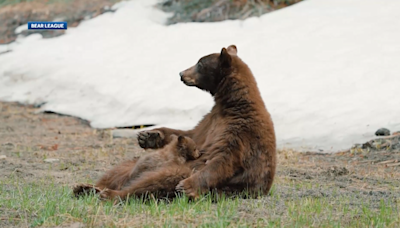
{"x":30,"y":141}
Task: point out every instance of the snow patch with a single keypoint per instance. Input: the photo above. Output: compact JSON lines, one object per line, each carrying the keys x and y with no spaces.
{"x":328,"y":70}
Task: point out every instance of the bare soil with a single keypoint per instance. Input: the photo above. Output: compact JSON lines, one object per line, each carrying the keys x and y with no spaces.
{"x":29,"y":138}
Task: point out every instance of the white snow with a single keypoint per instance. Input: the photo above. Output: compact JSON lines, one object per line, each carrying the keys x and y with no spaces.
{"x":328,"y":70}
{"x":21,"y":28}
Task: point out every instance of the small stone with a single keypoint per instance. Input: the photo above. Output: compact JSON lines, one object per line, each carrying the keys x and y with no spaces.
{"x":51,"y":160}
{"x":382,"y":132}
{"x":2,"y":157}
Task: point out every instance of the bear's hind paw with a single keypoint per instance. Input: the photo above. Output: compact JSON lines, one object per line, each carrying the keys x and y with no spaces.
{"x":85,"y":189}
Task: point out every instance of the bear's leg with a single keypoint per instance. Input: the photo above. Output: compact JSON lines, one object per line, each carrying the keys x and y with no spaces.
{"x":214,"y":174}
{"x":117,"y":177}
{"x":161,"y":182}
{"x":159,"y":137}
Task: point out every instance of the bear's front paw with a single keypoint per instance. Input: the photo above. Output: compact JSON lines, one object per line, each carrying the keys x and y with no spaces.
{"x":151,"y":139}
{"x":186,"y":186}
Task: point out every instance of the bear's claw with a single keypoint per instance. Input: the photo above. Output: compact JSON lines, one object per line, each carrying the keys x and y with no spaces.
{"x":180,"y":187}
{"x":189,"y":191}
{"x":105,"y":194}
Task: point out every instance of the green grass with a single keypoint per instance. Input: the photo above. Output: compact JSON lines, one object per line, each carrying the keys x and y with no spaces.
{"x":44,"y":203}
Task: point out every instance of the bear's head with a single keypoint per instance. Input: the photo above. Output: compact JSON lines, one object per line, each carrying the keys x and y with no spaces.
{"x":187,"y":148}
{"x":210,"y":70}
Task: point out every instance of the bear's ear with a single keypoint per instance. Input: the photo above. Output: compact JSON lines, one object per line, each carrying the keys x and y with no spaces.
{"x":225,"y":59}
{"x":232,"y":49}
{"x":181,"y":140}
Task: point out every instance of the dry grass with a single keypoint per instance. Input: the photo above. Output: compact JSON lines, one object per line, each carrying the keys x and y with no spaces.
{"x":310,"y":190}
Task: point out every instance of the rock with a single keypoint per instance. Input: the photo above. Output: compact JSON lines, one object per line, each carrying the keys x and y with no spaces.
{"x":2,"y":157}
{"x":391,"y":143}
{"x":51,"y":160}
{"x":124,"y":133}
{"x":382,"y":132}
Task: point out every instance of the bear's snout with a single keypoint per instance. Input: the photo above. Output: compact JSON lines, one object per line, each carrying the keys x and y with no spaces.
{"x":187,"y":79}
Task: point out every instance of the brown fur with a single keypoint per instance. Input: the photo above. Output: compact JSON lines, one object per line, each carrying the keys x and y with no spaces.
{"x":173,"y":156}
{"x":236,"y":138}
{"x":178,"y":151}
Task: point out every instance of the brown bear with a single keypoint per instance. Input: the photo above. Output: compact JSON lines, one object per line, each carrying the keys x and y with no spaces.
{"x":236,"y":139}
